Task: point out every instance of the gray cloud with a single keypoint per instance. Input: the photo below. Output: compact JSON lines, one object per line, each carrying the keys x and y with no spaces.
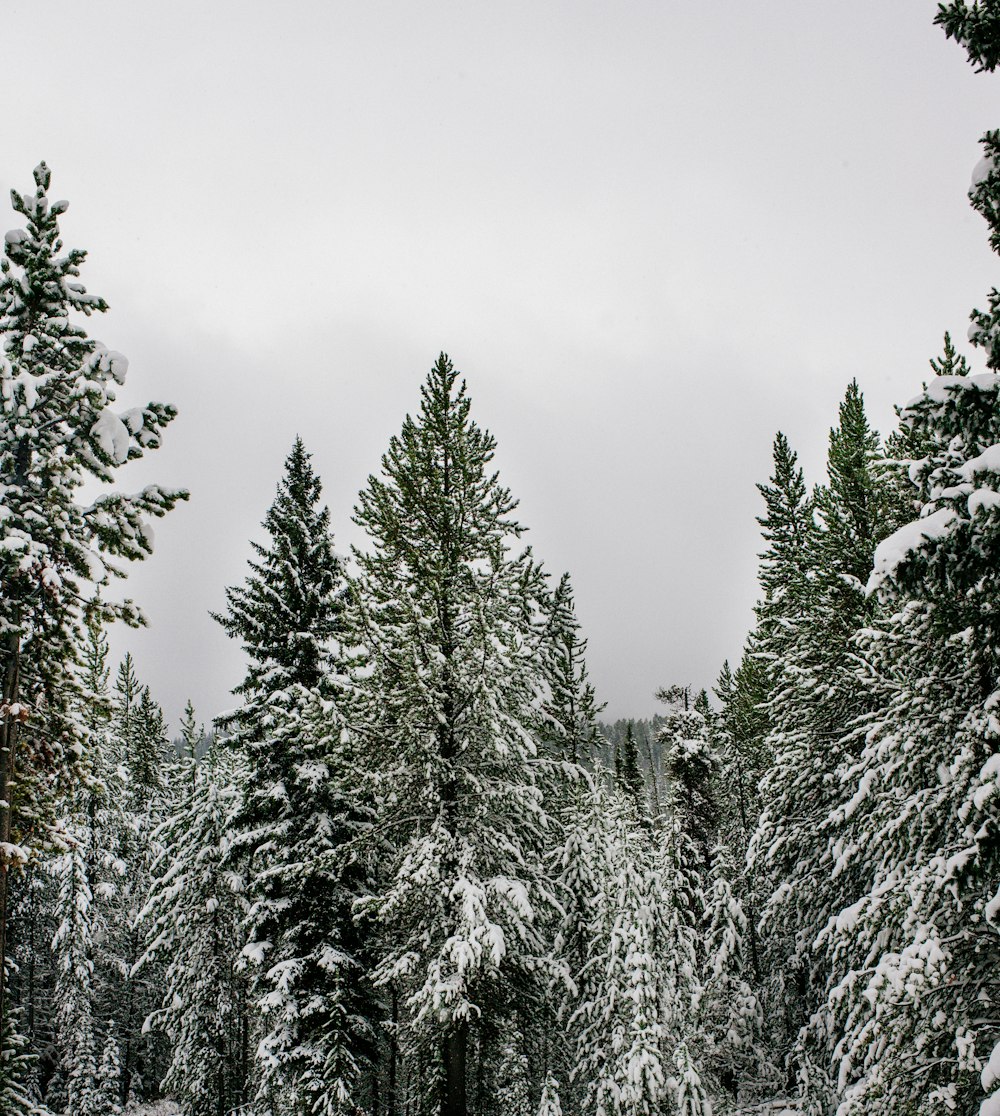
{"x":651,"y":235}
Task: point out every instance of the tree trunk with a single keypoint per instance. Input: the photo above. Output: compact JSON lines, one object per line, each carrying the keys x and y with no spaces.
{"x":393,"y":1054}
{"x":9,"y":727}
{"x":455,"y":1047}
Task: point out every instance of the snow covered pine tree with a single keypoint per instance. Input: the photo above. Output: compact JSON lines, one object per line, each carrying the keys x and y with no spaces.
{"x":57,"y":429}
{"x":297,"y":834}
{"x":914,"y":956}
{"x":451,"y":696}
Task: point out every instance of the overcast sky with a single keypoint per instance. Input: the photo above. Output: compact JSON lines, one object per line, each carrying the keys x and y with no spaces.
{"x":651,"y":234}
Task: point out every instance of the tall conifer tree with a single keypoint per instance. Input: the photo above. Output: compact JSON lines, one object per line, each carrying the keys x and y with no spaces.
{"x":445,"y":611}
{"x":912,"y":953}
{"x":57,"y":430}
{"x":299,"y":829}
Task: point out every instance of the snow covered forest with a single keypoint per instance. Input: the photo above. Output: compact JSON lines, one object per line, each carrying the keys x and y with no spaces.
{"x":412,"y":872}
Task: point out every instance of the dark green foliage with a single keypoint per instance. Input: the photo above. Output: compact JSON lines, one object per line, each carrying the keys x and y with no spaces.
{"x":627,"y":773}
{"x":454,"y":631}
{"x":852,"y":507}
{"x":288,"y":611}
{"x":570,"y":709}
{"x":976,"y":27}
{"x":299,"y":830}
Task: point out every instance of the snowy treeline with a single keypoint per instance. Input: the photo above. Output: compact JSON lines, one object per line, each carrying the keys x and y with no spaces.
{"x":410,"y":872}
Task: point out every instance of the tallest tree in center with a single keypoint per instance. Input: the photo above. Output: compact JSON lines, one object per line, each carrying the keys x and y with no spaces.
{"x":446,"y":612}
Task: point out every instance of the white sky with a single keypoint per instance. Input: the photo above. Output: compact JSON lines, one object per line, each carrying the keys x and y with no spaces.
{"x":650,"y":233}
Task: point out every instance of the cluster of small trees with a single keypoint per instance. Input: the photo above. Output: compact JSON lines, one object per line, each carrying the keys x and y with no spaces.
{"x":411,"y":873}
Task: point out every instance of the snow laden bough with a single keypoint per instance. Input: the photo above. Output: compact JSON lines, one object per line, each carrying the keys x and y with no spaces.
{"x":914,"y":956}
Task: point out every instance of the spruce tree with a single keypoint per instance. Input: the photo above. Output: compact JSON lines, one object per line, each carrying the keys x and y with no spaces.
{"x":138,"y":785}
{"x":299,"y":833}
{"x":447,"y":615}
{"x":288,"y":612}
{"x":57,"y":430}
{"x":619,"y":1004}
{"x":974,"y":26}
{"x":787,"y":527}
{"x":109,"y":1075}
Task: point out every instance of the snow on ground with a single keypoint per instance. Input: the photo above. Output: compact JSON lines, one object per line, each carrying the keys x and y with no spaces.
{"x":154,"y":1108}
{"x":771,"y":1108}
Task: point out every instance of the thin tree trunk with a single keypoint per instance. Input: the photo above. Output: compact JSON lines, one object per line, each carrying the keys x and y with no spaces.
{"x":9,"y":726}
{"x":393,"y":1052}
{"x":455,"y":1049}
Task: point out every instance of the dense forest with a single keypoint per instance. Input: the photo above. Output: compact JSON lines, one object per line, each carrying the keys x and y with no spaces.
{"x":412,"y":872}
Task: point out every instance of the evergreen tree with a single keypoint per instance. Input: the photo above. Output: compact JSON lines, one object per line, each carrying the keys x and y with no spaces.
{"x":730,"y":1014}
{"x":627,"y":773}
{"x":57,"y":430}
{"x":974,"y":26}
{"x":950,"y":363}
{"x":73,"y":949}
{"x":288,"y":612}
{"x":909,"y":948}
{"x":192,"y":923}
{"x":814,"y":700}
{"x":550,"y":1105}
{"x":109,"y":1076}
{"x":912,"y":990}
{"x":852,"y":507}
{"x":571,"y":709}
{"x":17,"y":1075}
{"x":513,"y":1094}
{"x":141,"y":756}
{"x":450,"y":693}
{"x":614,"y":939}
{"x":299,"y":831}
{"x":692,"y":768}
{"x":741,"y":733}
{"x":626,"y":945}
{"x":788,"y":528}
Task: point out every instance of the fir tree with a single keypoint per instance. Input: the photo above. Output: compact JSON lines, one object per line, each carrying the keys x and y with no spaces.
{"x":951,"y":362}
{"x":450,"y":696}
{"x":17,"y":1073}
{"x":976,"y":27}
{"x":787,"y":528}
{"x":109,"y":1076}
{"x":915,"y":833}
{"x":138,"y":785}
{"x":730,"y":1015}
{"x":814,"y":700}
{"x":550,"y":1105}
